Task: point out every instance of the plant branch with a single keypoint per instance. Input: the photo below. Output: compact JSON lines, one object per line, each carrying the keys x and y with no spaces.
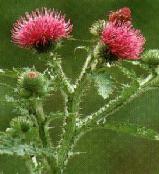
{"x":111,"y":108}
{"x":43,"y":135}
{"x":83,"y":73}
{"x":57,"y":70}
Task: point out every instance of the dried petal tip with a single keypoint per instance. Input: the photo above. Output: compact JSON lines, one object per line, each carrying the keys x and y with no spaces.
{"x":40,"y":29}
{"x":122,"y":15}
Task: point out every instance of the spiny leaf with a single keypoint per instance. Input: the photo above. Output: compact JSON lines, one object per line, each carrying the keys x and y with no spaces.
{"x":11,"y":146}
{"x":8,"y":73}
{"x":133,"y":129}
{"x":13,"y":73}
{"x":103,"y":83}
{"x":5,"y":85}
{"x":154,"y":82}
{"x":151,"y":57}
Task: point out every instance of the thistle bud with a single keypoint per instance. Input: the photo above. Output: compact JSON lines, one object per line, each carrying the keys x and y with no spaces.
{"x":97,"y":27}
{"x":19,"y":125}
{"x":151,"y":57}
{"x":32,"y":84}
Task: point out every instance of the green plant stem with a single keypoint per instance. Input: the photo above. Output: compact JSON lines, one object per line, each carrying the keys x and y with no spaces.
{"x":85,"y":68}
{"x":57,"y":70}
{"x":72,"y":102}
{"x":40,"y":116}
{"x":29,"y":164}
{"x":91,"y":123}
{"x":68,"y":131}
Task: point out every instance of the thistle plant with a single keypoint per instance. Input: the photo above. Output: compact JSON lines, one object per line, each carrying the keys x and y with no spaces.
{"x":116,"y":49}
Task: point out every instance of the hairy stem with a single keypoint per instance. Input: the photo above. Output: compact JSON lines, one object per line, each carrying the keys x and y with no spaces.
{"x":72,"y":102}
{"x":84,"y":70}
{"x":115,"y":106}
{"x":68,"y":131}
{"x":57,"y":70}
{"x":40,"y":116}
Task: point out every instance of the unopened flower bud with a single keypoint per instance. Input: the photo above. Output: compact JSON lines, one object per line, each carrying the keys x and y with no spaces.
{"x":32,"y":84}
{"x":19,"y":125}
{"x":97,"y":27}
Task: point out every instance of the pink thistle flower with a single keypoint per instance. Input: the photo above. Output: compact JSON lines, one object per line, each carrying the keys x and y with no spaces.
{"x":40,"y":29}
{"x":123,"y":41}
{"x":122,"y":15}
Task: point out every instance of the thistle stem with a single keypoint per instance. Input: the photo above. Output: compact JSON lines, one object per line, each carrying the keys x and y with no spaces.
{"x":40,"y":116}
{"x":84,"y":70}
{"x":58,"y":71}
{"x":72,"y":102}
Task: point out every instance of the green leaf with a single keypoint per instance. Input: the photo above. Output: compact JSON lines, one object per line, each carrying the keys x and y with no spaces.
{"x":133,"y":129}
{"x":154,"y":82}
{"x":8,"y":73}
{"x":11,"y":146}
{"x":13,"y":73}
{"x":151,"y":57}
{"x":103,"y":83}
{"x":5,"y":85}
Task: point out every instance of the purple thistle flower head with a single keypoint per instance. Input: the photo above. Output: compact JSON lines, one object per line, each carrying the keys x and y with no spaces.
{"x":123,"y":40}
{"x":40,"y":29}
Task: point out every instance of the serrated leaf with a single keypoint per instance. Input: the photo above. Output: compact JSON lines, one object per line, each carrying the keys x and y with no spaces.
{"x":11,"y":146}
{"x":8,"y":73}
{"x":13,"y":73}
{"x":103,"y":83}
{"x":151,"y":57}
{"x":133,"y":129}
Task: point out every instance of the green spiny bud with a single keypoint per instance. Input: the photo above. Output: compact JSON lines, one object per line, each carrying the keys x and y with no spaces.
{"x":151,"y":57}
{"x":20,"y":124}
{"x":97,"y":27}
{"x":32,"y":84}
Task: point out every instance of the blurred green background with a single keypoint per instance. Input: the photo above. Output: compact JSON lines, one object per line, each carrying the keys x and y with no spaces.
{"x":106,"y":152}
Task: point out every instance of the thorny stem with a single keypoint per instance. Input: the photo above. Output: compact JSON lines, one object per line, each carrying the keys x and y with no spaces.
{"x":73,"y":126}
{"x":115,"y":105}
{"x":58,"y":71}
{"x":84,"y":70}
{"x":41,"y":120}
{"x":71,"y":112}
{"x":82,"y":40}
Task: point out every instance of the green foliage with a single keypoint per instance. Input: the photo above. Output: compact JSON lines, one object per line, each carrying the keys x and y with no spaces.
{"x":9,"y":73}
{"x":21,"y":124}
{"x":151,"y":57}
{"x":14,"y":146}
{"x":133,"y":130}
{"x":103,"y":83}
{"x":155,"y":82}
{"x":29,"y":134}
